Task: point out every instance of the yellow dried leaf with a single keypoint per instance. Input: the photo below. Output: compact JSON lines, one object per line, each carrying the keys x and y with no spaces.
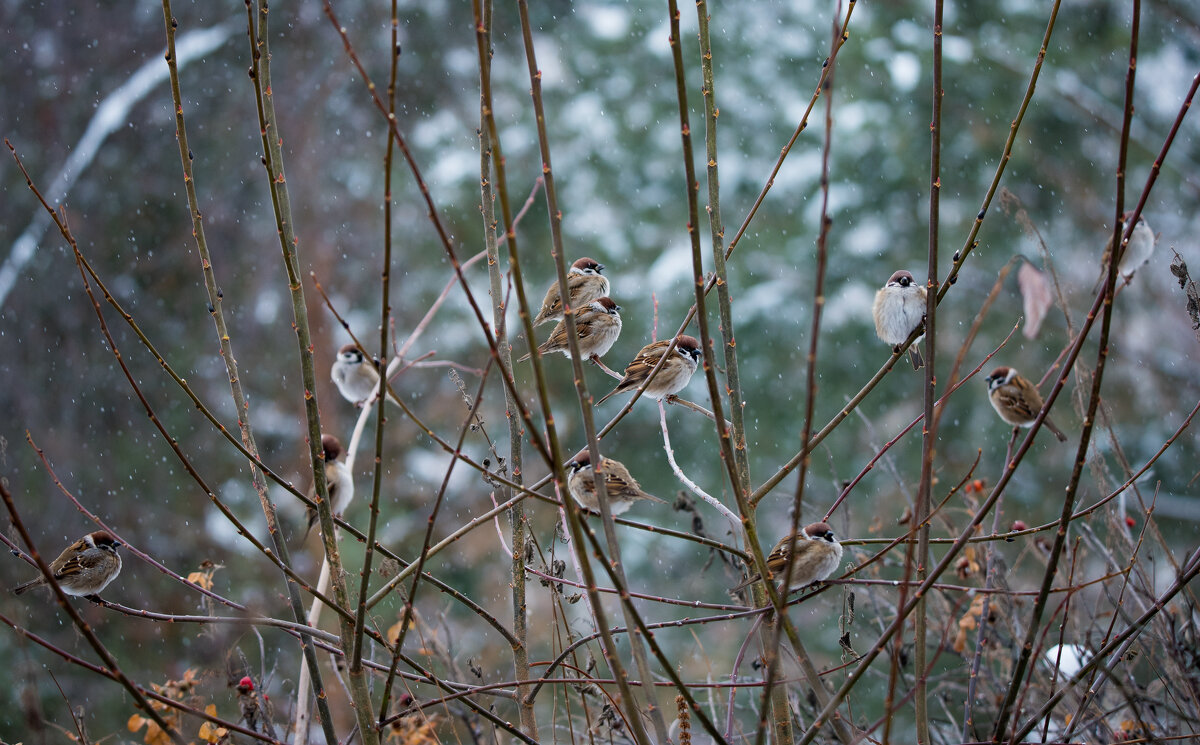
{"x":136,"y":722}
{"x":393,"y":633}
{"x":202,"y":579}
{"x":155,"y":734}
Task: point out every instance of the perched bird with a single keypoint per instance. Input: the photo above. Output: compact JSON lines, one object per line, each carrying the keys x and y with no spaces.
{"x":815,"y":555}
{"x":85,"y":567}
{"x":597,"y":324}
{"x":1137,"y":250}
{"x":1016,"y":400}
{"x":355,"y":376}
{"x":585,"y":283}
{"x":671,"y":378}
{"x":338,"y":479}
{"x":899,"y":309}
{"x":621,"y":488}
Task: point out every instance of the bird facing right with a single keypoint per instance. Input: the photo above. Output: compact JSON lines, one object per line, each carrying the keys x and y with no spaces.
{"x":1137,"y":250}
{"x":597,"y":326}
{"x":1016,"y":400}
{"x":900,"y":309}
{"x":338,"y":480}
{"x":620,"y":486}
{"x":84,"y":568}
{"x":672,"y":377}
{"x":585,"y":283}
{"x":815,"y":555}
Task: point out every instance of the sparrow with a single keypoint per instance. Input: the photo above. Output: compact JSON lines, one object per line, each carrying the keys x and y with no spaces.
{"x":671,"y":378}
{"x":621,"y":487}
{"x":585,"y":283}
{"x":355,"y":377}
{"x":597,"y":324}
{"x":900,"y":308}
{"x":85,"y":567}
{"x":338,"y":479}
{"x":1137,"y":250}
{"x":815,"y":555}
{"x":1016,"y":400}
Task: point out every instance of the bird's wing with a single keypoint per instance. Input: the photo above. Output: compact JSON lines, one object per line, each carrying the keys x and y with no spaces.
{"x":80,"y":563}
{"x":625,"y":486}
{"x":1011,"y":399}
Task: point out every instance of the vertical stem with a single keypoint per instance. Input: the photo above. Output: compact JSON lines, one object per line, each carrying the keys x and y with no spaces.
{"x":929,"y":428}
{"x":241,"y":405}
{"x":575,"y":524}
{"x":385,"y":312}
{"x":1081,"y":453}
{"x":289,"y":242}
{"x":518,"y":522}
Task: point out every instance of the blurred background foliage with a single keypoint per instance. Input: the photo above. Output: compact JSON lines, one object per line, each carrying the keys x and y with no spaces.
{"x":613,"y":122}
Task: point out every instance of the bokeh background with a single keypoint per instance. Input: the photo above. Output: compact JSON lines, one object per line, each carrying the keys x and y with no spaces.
{"x":614,"y":130}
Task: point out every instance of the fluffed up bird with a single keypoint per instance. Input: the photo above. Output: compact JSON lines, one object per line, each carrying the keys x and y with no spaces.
{"x":1016,"y":400}
{"x":1137,"y":251}
{"x":338,"y":479}
{"x":84,"y":568}
{"x":597,"y":326}
{"x":619,"y":485}
{"x":815,"y":555}
{"x":672,"y":377}
{"x":355,"y":376}
{"x":899,"y":310}
{"x":585,"y":282}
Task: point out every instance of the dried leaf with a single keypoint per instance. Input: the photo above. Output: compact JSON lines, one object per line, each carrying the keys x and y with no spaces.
{"x":136,"y":722}
{"x":1037,"y":297}
{"x":210,"y":732}
{"x":1188,"y":285}
{"x":969,"y":622}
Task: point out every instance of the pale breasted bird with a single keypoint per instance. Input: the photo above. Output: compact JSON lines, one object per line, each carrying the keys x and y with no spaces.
{"x":585,"y":282}
{"x":338,"y":479}
{"x":671,"y":378}
{"x":1016,"y":400}
{"x":814,"y":554}
{"x":355,"y":376}
{"x":1137,"y":251}
{"x":899,"y":310}
{"x":622,"y":489}
{"x":597,"y":326}
{"x":84,"y":568}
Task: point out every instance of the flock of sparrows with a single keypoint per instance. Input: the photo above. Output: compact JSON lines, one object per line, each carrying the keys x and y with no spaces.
{"x":87,"y":566}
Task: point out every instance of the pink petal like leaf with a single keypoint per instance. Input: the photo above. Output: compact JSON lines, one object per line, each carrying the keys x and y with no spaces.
{"x":1035,"y":291}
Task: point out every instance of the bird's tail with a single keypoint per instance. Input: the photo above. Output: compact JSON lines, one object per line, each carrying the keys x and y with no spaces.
{"x":26,"y":586}
{"x":915,"y":356}
{"x":1057,"y":432}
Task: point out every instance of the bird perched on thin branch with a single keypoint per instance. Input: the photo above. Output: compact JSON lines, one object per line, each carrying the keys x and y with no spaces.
{"x":1016,"y":400}
{"x":672,"y":377}
{"x":619,"y":485}
{"x":814,"y":554}
{"x":84,"y":568}
{"x":597,"y":326}
{"x":355,"y":376}
{"x":899,"y":310}
{"x":338,"y":480}
{"x":585,"y":283}
{"x":1137,"y":251}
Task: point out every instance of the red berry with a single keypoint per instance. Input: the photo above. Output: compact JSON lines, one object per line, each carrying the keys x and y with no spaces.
{"x":245,"y":685}
{"x":1130,"y":521}
{"x":1019,"y":525}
